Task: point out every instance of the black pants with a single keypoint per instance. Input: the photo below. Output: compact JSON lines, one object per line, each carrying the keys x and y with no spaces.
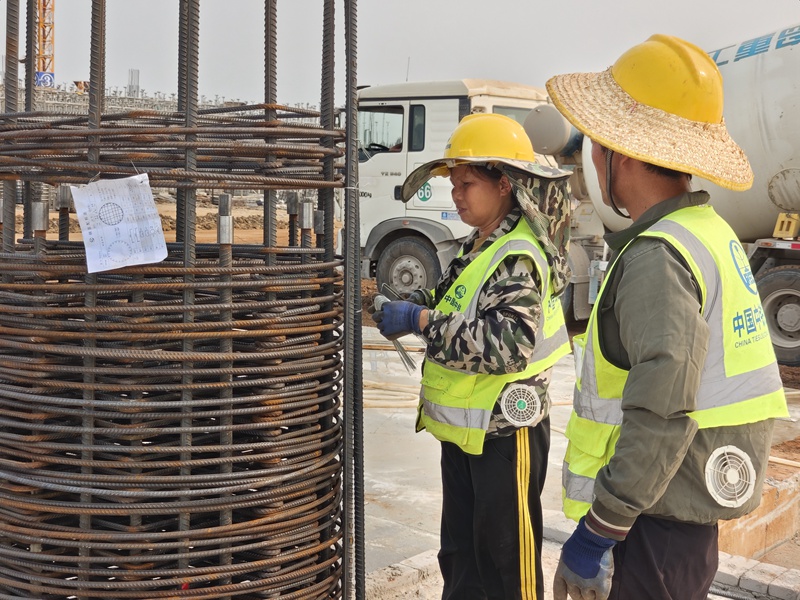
{"x":665,"y":560}
{"x":492,"y":517}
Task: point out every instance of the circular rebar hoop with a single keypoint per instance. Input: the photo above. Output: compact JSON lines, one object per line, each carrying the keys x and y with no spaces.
{"x":260,"y":483}
{"x":234,"y":148}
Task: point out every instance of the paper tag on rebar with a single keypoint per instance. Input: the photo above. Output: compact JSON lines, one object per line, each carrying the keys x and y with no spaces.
{"x":120,"y":223}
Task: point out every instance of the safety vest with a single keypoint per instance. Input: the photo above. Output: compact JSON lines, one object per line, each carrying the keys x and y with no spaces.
{"x":455,"y":406}
{"x":739,"y":383}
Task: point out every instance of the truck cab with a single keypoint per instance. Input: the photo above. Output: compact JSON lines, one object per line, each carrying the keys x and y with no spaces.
{"x":400,"y":127}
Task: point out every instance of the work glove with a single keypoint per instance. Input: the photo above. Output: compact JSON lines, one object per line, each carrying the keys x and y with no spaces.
{"x":398,"y":318}
{"x":585,"y":568}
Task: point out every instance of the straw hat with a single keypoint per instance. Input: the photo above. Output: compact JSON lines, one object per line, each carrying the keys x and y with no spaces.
{"x":488,"y":139}
{"x":660,"y":103}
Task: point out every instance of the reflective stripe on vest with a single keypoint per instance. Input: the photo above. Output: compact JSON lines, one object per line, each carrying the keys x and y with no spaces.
{"x":456,"y":406}
{"x":739,"y":384}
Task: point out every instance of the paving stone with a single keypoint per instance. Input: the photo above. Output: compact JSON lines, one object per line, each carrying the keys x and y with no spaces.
{"x":427,"y":563}
{"x":759,"y":577}
{"x":732,"y":568}
{"x":786,"y":586}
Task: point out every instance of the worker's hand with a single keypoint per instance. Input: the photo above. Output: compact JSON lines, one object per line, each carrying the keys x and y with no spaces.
{"x":585,"y":568}
{"x":396,"y":319}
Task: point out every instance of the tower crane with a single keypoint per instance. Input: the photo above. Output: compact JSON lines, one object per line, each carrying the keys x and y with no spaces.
{"x":45,"y":58}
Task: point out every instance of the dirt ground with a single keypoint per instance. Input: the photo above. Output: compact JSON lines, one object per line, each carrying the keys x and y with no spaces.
{"x":247,"y":220}
{"x":790,"y":376}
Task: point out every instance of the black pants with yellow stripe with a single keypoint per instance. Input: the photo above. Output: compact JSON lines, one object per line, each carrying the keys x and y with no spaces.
{"x":491,"y":538}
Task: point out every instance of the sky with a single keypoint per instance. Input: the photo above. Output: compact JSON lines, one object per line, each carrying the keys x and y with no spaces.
{"x":524,"y":41}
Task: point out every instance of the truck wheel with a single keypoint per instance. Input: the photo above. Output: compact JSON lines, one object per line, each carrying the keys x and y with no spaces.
{"x":779,"y":288}
{"x":408,"y":264}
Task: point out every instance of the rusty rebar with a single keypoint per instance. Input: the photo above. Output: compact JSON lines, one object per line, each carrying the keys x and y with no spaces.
{"x":235,"y":433}
{"x":171,"y":430}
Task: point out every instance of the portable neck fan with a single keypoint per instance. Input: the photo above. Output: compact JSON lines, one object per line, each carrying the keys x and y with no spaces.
{"x":521,"y":405}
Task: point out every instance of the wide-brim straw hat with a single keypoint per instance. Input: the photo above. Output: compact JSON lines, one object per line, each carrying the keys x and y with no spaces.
{"x":441,"y":168}
{"x":598,"y":107}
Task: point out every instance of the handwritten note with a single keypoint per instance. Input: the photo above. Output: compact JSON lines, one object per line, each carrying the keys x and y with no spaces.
{"x":120,"y":223}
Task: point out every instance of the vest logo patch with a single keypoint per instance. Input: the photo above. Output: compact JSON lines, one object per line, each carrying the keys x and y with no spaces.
{"x":460,"y":291}
{"x":750,"y":326}
{"x":743,"y":267}
{"x":452,"y":302}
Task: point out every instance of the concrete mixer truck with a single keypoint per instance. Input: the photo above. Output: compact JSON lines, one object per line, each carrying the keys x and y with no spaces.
{"x":404,"y":125}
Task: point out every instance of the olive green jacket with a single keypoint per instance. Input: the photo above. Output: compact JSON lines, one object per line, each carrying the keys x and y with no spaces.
{"x":659,"y":462}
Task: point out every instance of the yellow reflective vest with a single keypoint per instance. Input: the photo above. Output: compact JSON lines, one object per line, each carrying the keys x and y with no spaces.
{"x":455,"y":406}
{"x":739,"y":383}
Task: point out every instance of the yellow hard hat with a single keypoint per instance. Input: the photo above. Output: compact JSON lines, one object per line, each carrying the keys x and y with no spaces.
{"x":483,"y":138}
{"x":673,"y":75}
{"x":489,"y":135}
{"x":661,"y":102}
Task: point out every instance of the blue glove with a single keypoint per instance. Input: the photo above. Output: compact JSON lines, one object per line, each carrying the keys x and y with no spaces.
{"x":585,"y":568}
{"x":396,"y":319}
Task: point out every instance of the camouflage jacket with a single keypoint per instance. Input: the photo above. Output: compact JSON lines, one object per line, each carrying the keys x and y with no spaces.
{"x":501,"y":338}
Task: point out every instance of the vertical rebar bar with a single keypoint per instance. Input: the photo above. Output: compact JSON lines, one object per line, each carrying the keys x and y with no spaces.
{"x":31,"y":36}
{"x":353,"y":390}
{"x":270,"y":97}
{"x":324,"y":238}
{"x":224,"y":242}
{"x":63,"y":198}
{"x":183,"y":34}
{"x":327,"y":110}
{"x":189,"y":230}
{"x":30,"y":188}
{"x":97,"y":54}
{"x":11,"y":106}
{"x":97,"y":73}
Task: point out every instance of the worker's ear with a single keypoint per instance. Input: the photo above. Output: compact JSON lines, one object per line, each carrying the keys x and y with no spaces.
{"x":505,"y":185}
{"x":625,"y":162}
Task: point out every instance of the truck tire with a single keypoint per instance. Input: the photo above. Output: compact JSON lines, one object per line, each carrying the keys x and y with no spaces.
{"x":408,"y":264}
{"x":779,"y":289}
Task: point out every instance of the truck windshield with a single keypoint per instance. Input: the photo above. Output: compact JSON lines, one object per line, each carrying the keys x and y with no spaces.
{"x":515,"y":112}
{"x":380,"y":129}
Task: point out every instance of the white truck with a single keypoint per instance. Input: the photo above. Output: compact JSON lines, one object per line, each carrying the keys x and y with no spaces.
{"x":407,"y":245}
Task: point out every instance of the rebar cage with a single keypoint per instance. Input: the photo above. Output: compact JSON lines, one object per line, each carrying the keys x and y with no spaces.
{"x":173,"y":430}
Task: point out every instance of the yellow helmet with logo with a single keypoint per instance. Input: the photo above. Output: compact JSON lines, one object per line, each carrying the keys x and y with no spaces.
{"x":483,"y":138}
{"x":662,"y":103}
